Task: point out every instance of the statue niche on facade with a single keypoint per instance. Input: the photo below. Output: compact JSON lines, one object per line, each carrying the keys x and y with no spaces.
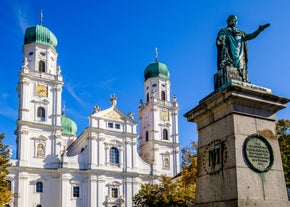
{"x":232,"y":53}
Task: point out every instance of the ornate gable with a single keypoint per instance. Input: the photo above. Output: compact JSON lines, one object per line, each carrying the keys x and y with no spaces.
{"x":113,"y":115}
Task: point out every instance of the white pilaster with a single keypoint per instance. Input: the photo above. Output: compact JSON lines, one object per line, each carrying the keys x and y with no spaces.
{"x":102,"y":151}
{"x":92,"y":152}
{"x":92,"y":192}
{"x":100,"y":191}
{"x":22,"y":199}
{"x":65,"y":190}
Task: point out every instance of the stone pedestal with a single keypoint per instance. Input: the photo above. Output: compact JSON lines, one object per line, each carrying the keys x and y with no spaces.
{"x":239,"y":162}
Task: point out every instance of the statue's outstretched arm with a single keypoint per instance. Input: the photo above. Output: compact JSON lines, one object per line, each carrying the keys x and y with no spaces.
{"x":257,"y":32}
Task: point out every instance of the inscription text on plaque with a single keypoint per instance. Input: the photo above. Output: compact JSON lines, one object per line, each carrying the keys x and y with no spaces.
{"x":258,"y":153}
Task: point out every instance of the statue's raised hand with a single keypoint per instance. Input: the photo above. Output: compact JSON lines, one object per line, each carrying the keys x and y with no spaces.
{"x":262,"y":27}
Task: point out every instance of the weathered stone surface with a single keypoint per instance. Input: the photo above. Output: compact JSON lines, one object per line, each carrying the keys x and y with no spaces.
{"x":224,"y":120}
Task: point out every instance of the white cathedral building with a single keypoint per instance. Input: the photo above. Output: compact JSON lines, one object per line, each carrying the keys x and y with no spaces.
{"x":107,"y":162}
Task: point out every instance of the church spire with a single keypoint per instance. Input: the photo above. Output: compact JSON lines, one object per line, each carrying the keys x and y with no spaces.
{"x":156,"y":54}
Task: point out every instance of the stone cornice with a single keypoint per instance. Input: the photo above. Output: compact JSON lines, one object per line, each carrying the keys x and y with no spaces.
{"x":40,"y":76}
{"x":115,"y":133}
{"x":159,"y":142}
{"x":41,"y":125}
{"x":241,"y":95}
{"x":97,"y":172}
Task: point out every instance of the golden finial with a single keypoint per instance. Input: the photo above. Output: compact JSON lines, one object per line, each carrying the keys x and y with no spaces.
{"x":156,"y":54}
{"x":41,"y":17}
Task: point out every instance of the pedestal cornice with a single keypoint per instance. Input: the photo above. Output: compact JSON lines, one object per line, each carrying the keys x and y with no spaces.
{"x":237,"y":94}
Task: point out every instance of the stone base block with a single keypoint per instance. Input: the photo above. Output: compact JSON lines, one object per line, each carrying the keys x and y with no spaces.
{"x":246,"y":203}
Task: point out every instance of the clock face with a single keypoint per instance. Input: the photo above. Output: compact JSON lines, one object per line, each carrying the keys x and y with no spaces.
{"x":41,"y":90}
{"x":164,"y":115}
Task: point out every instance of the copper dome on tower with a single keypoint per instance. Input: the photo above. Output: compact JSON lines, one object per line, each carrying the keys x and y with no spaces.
{"x":156,"y":69}
{"x":40,"y":34}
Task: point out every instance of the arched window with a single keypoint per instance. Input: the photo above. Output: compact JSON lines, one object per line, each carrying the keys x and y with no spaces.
{"x":39,"y":205}
{"x":163,"y":96}
{"x":114,"y":155}
{"x":165,"y":134}
{"x":147,"y":136}
{"x":147,"y":97}
{"x":39,"y":187}
{"x":41,"y":113}
{"x":41,"y":66}
{"x":9,"y":185}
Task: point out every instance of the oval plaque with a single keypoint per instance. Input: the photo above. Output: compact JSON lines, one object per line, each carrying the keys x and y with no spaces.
{"x":258,"y":153}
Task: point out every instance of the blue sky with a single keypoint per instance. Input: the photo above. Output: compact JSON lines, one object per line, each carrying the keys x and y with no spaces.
{"x":104,"y":47}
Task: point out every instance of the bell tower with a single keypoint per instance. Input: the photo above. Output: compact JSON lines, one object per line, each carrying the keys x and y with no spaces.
{"x":39,"y":94}
{"x":158,"y":117}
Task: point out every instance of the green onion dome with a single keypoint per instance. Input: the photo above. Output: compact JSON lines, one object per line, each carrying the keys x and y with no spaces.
{"x":156,"y":69}
{"x":69,"y":127}
{"x":40,"y":34}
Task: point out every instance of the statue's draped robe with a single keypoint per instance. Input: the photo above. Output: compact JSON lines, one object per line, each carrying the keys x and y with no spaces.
{"x":233,"y":49}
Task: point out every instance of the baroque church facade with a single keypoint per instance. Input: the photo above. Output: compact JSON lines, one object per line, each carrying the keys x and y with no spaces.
{"x":107,"y":162}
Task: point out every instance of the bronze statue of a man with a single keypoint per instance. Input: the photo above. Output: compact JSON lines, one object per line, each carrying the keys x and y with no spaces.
{"x":232,"y":47}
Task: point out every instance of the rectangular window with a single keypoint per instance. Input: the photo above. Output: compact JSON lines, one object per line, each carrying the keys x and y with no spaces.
{"x":146,"y":136}
{"x":110,"y":125}
{"x":117,"y":126}
{"x":114,"y":192}
{"x":76,"y":191}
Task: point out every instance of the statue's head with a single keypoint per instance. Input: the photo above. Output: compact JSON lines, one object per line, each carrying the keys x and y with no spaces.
{"x":232,"y":21}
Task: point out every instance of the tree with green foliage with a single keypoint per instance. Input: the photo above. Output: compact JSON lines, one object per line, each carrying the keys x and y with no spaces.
{"x":5,"y":194}
{"x":166,"y":193}
{"x":283,"y":134}
{"x":179,"y":191}
{"x":189,"y":171}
